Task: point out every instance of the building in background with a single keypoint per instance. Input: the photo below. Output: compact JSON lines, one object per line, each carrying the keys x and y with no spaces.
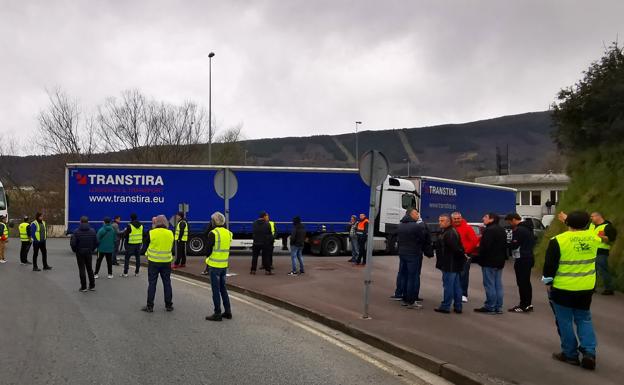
{"x":538,"y":194}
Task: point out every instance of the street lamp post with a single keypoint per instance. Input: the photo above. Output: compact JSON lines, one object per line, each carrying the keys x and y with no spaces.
{"x":210,"y":56}
{"x":357,"y":150}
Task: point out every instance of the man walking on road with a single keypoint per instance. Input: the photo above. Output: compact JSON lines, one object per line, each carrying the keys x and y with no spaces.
{"x":262,"y":242}
{"x":414,"y":240}
{"x":450,"y":259}
{"x":134,"y":234}
{"x":607,"y":233}
{"x":522,"y":246}
{"x":181,"y":237}
{"x":492,"y":256}
{"x":570,"y":273}
{"x":4,"y":238}
{"x":297,"y":241}
{"x":39,"y":232}
{"x":362,"y":235}
{"x":159,"y":257}
{"x":118,"y":237}
{"x":83,"y":242}
{"x":26,"y":240}
{"x":218,"y":246}
{"x":470,"y":242}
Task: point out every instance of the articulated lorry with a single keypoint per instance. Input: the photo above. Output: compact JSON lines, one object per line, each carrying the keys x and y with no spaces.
{"x":324,"y":198}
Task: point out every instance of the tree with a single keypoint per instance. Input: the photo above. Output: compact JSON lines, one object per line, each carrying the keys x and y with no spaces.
{"x":62,"y":131}
{"x":229,"y":150}
{"x":591,"y":112}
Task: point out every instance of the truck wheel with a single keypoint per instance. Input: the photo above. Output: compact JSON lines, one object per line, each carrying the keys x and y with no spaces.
{"x":196,"y":245}
{"x":331,"y":246}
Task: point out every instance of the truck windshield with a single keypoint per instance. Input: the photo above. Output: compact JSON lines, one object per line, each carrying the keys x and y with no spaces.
{"x":3,"y":205}
{"x":408,"y":201}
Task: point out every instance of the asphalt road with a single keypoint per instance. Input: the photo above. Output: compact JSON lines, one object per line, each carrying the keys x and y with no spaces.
{"x":52,"y":334}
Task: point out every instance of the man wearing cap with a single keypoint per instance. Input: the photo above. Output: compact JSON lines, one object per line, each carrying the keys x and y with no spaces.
{"x":26,"y":240}
{"x":4,"y":237}
{"x":570,"y":276}
{"x":181,"y":237}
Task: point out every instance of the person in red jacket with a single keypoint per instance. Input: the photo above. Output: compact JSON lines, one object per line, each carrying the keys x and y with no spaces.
{"x":470,"y":242}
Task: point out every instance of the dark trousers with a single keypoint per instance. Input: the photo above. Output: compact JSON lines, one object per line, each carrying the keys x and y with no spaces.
{"x":37,"y":246}
{"x":115,"y":251}
{"x":401,"y":279}
{"x":84,"y":261}
{"x":109,"y":263}
{"x":412,"y":266}
{"x":154,"y":269}
{"x":362,"y":249}
{"x":464,"y":278}
{"x":267,"y":256}
{"x":522,"y":267}
{"x":180,"y":253}
{"x":24,"y":251}
{"x":130,"y":251}
{"x":219,"y":291}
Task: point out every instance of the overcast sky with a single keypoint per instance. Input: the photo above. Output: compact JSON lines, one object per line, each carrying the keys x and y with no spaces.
{"x":302,"y":67}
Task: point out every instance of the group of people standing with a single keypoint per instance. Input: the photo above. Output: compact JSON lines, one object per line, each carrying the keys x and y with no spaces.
{"x":358,"y":234}
{"x":32,"y":234}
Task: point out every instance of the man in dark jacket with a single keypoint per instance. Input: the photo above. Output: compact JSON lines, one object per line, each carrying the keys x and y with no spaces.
{"x":262,"y":244}
{"x":492,"y":256}
{"x":522,"y":246}
{"x":414,"y":240}
{"x":297,"y":240}
{"x":450,"y":259}
{"x":83,"y":242}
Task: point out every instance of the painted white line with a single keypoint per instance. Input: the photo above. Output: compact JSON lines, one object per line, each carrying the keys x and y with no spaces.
{"x":398,"y":368}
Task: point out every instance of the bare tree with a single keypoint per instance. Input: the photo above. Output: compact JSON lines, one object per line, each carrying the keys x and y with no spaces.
{"x":229,"y":150}
{"x":61,"y":129}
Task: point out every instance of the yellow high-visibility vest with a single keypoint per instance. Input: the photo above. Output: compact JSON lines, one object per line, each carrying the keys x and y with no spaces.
{"x":272,"y":224}
{"x":5,"y":231}
{"x":596,"y":230}
{"x":38,"y":231}
{"x":161,"y":243}
{"x":221,"y":250}
{"x":23,"y":231}
{"x":136,"y":235}
{"x":577,"y":263}
{"x":184,"y":234}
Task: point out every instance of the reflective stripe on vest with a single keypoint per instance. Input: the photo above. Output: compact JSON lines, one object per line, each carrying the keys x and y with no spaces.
{"x":185,"y":234}
{"x":23,"y":231}
{"x":161,"y":243}
{"x":38,"y":230}
{"x":221,"y":249}
{"x":577,"y":263}
{"x":596,"y":230}
{"x":272,"y":225}
{"x":136,"y":235}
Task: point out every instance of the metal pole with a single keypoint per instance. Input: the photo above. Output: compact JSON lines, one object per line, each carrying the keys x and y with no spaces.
{"x":408,"y":167}
{"x":210,"y":55}
{"x":357,"y":150}
{"x":369,"y":240}
{"x":227,"y":199}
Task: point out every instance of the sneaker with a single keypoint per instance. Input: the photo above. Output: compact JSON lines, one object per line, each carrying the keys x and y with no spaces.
{"x":458,"y":311}
{"x":136,"y":274}
{"x":169,"y":308}
{"x":588,"y":362}
{"x":563,"y":358}
{"x":607,"y":292}
{"x":214,"y":317}
{"x":415,"y":306}
{"x":28,"y":263}
{"x":36,"y":269}
{"x":292,"y":273}
{"x":2,"y":260}
{"x":440,"y":310}
{"x":47,"y":268}
{"x":464,"y":299}
{"x":396,"y":297}
{"x":529,"y":308}
{"x":110,"y":276}
{"x":499,"y":311}
{"x":227,"y":315}
{"x":204,"y":272}
{"x":484,"y":310}
{"x":92,"y":288}
{"x":404,"y":303}
{"x":96,"y":276}
{"x":82,"y":290}
{"x":301,"y":272}
{"x":123,"y":275}
{"x":147,"y":309}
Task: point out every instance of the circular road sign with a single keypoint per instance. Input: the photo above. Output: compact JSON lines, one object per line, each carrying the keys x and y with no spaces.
{"x":225,"y":178}
{"x":374,"y":168}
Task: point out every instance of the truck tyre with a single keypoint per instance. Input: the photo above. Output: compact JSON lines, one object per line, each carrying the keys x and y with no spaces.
{"x":331,"y":246}
{"x":196,"y":245}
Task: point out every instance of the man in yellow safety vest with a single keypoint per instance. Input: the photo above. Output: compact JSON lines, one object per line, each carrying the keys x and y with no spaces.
{"x":570,"y":273}
{"x":26,"y":240}
{"x":607,"y":233}
{"x":159,"y":257}
{"x":181,"y":237}
{"x":134,"y":243}
{"x":39,"y":233}
{"x":218,"y":245}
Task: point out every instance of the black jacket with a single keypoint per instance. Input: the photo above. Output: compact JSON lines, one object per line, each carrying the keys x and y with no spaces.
{"x":83,"y":240}
{"x":414,"y":238}
{"x":262,"y":234}
{"x":493,"y":247}
{"x":524,"y":239}
{"x":298,"y":234}
{"x":450,"y":256}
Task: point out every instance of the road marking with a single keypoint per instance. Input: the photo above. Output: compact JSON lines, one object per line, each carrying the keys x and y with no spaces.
{"x":398,"y":368}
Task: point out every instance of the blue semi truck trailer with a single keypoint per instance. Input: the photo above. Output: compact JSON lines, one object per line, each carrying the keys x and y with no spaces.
{"x":324,"y":198}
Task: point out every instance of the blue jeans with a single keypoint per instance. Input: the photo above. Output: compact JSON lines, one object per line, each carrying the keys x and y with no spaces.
{"x":401,"y":280}
{"x":219,"y":291}
{"x":493,"y":284}
{"x":566,"y":317}
{"x":602,"y":266}
{"x":296,"y":255}
{"x":465,"y":278}
{"x":354,"y":247}
{"x":411,"y":277}
{"x":452,"y":291}
{"x":154,"y":269}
